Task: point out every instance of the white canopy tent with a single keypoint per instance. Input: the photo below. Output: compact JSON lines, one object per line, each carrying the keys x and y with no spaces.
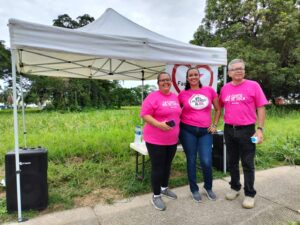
{"x":110,"y":48}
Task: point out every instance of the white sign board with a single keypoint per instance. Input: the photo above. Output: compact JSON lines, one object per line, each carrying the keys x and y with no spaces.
{"x":208,"y":76}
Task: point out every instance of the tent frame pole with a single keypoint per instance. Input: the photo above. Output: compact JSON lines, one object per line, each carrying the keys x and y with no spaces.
{"x":143,"y":79}
{"x":23,"y":112}
{"x":16,"y":137}
{"x":225,"y":74}
{"x":224,"y":144}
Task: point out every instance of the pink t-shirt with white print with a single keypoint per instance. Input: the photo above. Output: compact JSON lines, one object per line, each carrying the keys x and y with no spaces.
{"x":240,"y":102}
{"x":196,"y":106}
{"x":163,"y":108}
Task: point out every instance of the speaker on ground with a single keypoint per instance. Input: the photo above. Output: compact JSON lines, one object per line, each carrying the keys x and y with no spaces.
{"x":33,"y":178}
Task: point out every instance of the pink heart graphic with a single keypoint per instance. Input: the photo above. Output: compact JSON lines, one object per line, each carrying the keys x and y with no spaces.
{"x":174,"y":71}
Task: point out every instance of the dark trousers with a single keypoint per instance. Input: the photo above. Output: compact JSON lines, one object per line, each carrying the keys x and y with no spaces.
{"x":239,"y":146}
{"x":161,"y":157}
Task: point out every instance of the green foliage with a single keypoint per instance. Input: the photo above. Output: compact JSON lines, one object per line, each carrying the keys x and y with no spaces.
{"x":282,"y":137}
{"x":5,"y":65}
{"x":294,"y":223}
{"x":66,"y":21}
{"x":265,"y":33}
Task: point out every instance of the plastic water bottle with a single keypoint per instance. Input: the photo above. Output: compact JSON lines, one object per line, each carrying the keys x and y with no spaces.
{"x":138,"y":135}
{"x":254,"y":139}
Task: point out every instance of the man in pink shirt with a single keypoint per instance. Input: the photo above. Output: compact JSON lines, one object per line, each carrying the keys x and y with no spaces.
{"x":243,"y":101}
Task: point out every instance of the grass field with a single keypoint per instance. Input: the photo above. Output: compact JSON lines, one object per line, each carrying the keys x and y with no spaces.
{"x":90,"y":160}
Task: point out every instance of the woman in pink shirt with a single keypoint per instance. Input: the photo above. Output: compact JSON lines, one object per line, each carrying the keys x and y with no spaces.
{"x":161,"y":112}
{"x":195,"y":130}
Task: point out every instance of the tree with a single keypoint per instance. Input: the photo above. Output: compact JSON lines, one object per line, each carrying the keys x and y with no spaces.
{"x":5,"y":65}
{"x":265,"y":33}
{"x":67,"y":22}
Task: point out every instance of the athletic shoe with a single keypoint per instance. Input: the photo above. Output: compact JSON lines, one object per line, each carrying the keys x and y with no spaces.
{"x":232,"y":194}
{"x":168,"y":193}
{"x":158,"y":203}
{"x":210,"y":195}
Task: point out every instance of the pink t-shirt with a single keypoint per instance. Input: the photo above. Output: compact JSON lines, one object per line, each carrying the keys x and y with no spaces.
{"x":196,"y":106}
{"x":162,"y":108}
{"x":240,"y":102}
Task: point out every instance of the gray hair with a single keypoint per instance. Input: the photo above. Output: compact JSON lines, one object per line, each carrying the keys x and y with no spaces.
{"x":234,"y":61}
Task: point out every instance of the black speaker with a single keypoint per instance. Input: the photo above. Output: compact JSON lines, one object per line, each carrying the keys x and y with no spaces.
{"x":217,"y":153}
{"x":33,"y":178}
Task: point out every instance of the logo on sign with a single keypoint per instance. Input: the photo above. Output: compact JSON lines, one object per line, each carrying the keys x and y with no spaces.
{"x":179,"y":75}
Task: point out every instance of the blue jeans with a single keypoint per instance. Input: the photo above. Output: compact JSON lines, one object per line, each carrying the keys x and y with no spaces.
{"x":197,"y":141}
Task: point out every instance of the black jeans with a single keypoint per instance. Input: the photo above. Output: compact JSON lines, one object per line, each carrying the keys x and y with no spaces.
{"x":161,"y":157}
{"x":239,"y":146}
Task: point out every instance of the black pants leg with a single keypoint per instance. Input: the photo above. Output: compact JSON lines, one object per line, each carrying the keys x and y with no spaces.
{"x":239,"y":146}
{"x":233,"y":152}
{"x":161,"y":157}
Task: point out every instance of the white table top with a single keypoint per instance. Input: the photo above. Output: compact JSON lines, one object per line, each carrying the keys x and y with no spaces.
{"x":141,"y":148}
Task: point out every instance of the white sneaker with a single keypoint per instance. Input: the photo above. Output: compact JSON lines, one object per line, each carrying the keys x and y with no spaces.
{"x":232,"y":194}
{"x":248,"y":202}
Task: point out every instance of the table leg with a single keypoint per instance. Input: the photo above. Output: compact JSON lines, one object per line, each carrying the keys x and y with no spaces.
{"x":143,"y":167}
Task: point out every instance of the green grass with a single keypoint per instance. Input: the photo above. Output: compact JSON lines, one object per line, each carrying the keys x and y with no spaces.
{"x":89,"y":154}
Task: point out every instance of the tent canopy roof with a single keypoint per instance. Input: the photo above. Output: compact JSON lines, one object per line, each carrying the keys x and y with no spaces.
{"x":112,"y":47}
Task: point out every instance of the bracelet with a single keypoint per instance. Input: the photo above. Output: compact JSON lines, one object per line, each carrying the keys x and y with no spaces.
{"x":214,"y":126}
{"x":260,"y":128}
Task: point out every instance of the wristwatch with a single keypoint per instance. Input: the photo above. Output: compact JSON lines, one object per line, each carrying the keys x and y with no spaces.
{"x":260,"y":128}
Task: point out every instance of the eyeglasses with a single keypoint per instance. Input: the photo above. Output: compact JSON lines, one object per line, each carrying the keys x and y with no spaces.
{"x":193,"y":75}
{"x":237,"y":69}
{"x":164,"y":80}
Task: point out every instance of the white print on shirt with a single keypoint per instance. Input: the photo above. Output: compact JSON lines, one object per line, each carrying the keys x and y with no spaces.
{"x":198,"y":101}
{"x":171,"y":104}
{"x":235,"y":99}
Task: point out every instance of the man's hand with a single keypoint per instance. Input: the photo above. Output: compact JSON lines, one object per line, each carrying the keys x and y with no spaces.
{"x":260,"y":136}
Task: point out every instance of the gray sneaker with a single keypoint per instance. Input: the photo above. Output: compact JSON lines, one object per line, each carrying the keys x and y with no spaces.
{"x":168,"y":193}
{"x":158,"y":203}
{"x":210,"y":195}
{"x":196,"y":196}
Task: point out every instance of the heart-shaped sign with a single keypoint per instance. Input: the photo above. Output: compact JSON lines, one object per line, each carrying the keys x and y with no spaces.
{"x":179,"y":75}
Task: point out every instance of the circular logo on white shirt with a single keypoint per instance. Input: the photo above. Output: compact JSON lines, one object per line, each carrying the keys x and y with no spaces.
{"x":198,"y":101}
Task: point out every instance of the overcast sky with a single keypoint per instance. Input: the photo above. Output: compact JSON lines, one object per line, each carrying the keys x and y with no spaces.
{"x":177,"y":19}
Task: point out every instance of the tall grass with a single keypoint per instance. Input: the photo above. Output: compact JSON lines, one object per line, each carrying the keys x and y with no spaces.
{"x":88,"y":152}
{"x":281,"y":139}
{"x":66,"y":135}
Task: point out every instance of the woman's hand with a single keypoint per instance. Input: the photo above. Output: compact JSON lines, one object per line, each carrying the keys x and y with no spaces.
{"x":212,"y":128}
{"x":163,"y":126}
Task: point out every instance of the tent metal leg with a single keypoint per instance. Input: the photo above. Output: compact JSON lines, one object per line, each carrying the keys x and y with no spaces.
{"x":224,"y":147}
{"x":23,"y":113}
{"x":16,"y":137}
{"x":225,"y":74}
